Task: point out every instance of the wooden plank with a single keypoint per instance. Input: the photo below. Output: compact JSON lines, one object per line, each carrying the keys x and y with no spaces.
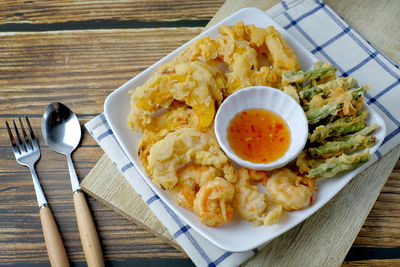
{"x":86,"y":157}
{"x":372,"y":263}
{"x":78,"y":64}
{"x":78,"y":68}
{"x":93,"y":63}
{"x":42,"y":11}
{"x":382,"y":227}
{"x":20,"y":230}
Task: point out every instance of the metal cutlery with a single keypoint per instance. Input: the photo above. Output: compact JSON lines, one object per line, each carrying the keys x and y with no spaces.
{"x":62,"y":132}
{"x":27,"y":153}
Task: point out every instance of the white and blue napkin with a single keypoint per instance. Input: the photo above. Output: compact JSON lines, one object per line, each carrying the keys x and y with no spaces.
{"x":329,"y":38}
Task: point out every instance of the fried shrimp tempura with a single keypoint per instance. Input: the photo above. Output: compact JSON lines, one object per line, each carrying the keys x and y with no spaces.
{"x":175,"y":110}
{"x":251,"y":204}
{"x":191,"y":178}
{"x":212,"y":204}
{"x":184,"y":146}
{"x":194,"y":83}
{"x":289,"y":190}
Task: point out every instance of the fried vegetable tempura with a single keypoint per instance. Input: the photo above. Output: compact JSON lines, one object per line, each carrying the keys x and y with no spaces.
{"x":175,"y":110}
{"x":267,"y":41}
{"x":344,"y":162}
{"x":334,"y":112}
{"x":177,"y":116}
{"x":194,"y":83}
{"x":254,"y":56}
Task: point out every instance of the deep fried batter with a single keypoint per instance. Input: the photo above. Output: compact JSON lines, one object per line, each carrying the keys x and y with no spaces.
{"x":175,"y":110}
{"x":254,"y":56}
{"x":250,"y":203}
{"x":184,"y":146}
{"x":267,"y":41}
{"x":195,"y":83}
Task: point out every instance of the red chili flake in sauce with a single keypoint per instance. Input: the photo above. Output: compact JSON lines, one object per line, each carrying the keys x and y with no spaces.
{"x":261,"y":138}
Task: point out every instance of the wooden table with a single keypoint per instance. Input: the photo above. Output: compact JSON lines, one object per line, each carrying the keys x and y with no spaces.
{"x":78,"y":52}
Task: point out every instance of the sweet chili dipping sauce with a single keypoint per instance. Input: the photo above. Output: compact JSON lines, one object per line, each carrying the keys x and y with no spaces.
{"x":258,"y":135}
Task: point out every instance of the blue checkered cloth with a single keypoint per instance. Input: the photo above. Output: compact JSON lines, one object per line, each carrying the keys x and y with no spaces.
{"x":329,"y":38}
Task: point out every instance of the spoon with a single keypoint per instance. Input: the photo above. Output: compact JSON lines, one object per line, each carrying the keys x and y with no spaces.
{"x":62,"y":132}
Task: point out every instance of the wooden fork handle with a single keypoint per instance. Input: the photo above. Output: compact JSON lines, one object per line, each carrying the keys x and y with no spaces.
{"x":87,"y":231}
{"x":52,"y":238}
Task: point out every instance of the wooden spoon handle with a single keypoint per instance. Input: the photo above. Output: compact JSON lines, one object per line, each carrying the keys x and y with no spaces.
{"x":87,"y":231}
{"x":52,"y":238}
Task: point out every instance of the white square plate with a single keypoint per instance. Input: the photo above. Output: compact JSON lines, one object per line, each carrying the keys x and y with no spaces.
{"x":238,"y":234}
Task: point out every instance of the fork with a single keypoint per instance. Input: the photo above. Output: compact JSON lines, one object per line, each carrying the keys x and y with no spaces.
{"x":27,"y":153}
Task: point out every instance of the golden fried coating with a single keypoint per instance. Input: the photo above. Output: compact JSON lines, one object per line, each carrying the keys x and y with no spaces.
{"x":177,"y":116}
{"x":191,"y":178}
{"x":287,"y":189}
{"x":184,"y":146}
{"x":254,"y":56}
{"x":281,"y":56}
{"x":175,"y":110}
{"x":212,"y":203}
{"x":195,"y":83}
{"x":240,"y":58}
{"x":305,"y":163}
{"x":252,"y":204}
{"x":267,"y":41}
{"x":266,"y":76}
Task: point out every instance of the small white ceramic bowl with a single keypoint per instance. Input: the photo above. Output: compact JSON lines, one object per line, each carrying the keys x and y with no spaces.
{"x":264,"y":98}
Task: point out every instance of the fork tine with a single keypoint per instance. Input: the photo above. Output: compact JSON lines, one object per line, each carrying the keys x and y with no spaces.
{"x":13,"y":143}
{"x":21,"y":144}
{"x":26,"y":138}
{"x":33,"y":138}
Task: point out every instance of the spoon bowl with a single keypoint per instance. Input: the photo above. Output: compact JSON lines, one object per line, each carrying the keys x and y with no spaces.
{"x":61,"y":128}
